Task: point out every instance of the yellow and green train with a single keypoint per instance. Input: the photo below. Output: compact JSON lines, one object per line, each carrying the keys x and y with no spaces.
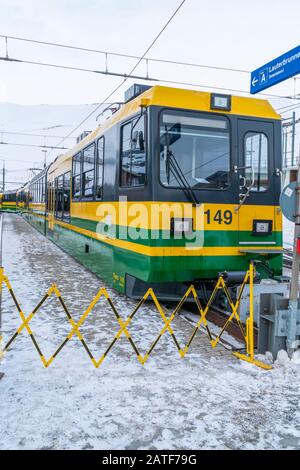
{"x":8,"y":201}
{"x":174,"y":188}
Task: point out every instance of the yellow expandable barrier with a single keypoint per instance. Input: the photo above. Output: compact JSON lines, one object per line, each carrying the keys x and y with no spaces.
{"x":247,"y":334}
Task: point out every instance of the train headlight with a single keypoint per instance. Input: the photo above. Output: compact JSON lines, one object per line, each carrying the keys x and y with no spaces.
{"x":222,"y":102}
{"x":262,"y":227}
{"x":180,"y":226}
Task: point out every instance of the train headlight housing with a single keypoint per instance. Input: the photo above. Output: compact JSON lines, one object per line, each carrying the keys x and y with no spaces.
{"x":181,"y":226}
{"x":222,"y":102}
{"x":262,"y":227}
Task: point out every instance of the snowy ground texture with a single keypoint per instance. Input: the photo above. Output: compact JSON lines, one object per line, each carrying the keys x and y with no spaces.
{"x":207,"y":400}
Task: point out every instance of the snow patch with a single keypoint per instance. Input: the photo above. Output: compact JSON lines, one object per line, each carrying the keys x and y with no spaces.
{"x":282,"y":358}
{"x":296,"y":357}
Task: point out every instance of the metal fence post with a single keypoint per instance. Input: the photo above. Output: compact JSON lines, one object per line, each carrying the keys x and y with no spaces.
{"x":1,"y":271}
{"x":251,"y":313}
{"x":293,"y":303}
{"x":1,"y":286}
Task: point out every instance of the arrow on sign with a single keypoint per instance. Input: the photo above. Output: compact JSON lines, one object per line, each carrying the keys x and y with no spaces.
{"x":254,"y":81}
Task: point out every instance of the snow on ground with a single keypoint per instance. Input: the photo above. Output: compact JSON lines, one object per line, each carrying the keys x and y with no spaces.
{"x":207,"y":400}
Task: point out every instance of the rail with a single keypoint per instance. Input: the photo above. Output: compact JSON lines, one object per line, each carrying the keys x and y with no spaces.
{"x":247,"y":333}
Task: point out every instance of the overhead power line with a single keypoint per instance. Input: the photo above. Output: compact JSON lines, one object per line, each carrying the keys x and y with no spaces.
{"x":33,"y":135}
{"x":52,"y":147}
{"x":128,"y":56}
{"x":127,"y":76}
{"x":77,"y":69}
{"x":8,"y":159}
{"x":289,"y":110}
{"x":287,"y":107}
{"x":210,"y":87}
{"x":138,"y":77}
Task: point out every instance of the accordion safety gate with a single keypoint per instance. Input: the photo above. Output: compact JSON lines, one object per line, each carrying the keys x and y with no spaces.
{"x":247,"y":331}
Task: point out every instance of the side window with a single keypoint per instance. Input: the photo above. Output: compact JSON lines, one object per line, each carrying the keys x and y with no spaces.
{"x":66,"y":196}
{"x":88,"y":171}
{"x":76,"y":176}
{"x":256,"y":160}
{"x":133,"y":153}
{"x":99,"y":169}
{"x":59,"y":199}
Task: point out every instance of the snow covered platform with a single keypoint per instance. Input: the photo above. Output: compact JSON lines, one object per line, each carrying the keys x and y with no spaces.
{"x":207,"y":400}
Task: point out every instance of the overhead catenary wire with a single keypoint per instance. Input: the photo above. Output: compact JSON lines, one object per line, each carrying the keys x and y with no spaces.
{"x":124,"y":79}
{"x":210,"y":87}
{"x":140,"y":77}
{"x":3,"y":131}
{"x":129,"y":56}
{"x":290,"y":109}
{"x":52,"y":147}
{"x":70,"y":67}
{"x":129,"y":75}
{"x":126,"y":76}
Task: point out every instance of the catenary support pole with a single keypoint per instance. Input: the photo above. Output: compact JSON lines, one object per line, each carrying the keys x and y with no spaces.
{"x":294,"y":291}
{"x":1,"y":285}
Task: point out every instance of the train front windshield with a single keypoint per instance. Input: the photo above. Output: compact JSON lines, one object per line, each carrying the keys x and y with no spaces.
{"x":194,"y":146}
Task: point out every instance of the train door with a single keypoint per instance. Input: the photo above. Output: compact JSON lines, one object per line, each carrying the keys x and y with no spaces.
{"x":62,"y":197}
{"x":51,"y":205}
{"x":66,"y":196}
{"x":256,"y":212}
{"x":59,"y":191}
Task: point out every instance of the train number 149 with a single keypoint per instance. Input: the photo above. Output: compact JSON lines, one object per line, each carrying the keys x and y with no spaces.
{"x":221,"y":217}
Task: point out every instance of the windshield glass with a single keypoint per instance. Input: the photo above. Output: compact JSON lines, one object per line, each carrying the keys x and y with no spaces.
{"x":200,"y":145}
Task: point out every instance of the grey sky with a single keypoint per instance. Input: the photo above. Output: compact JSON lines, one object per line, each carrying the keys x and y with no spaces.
{"x":243,"y":34}
{"x":232,"y":33}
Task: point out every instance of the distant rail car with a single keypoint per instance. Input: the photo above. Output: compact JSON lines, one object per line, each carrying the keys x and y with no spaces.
{"x":174,"y":188}
{"x":8,"y":201}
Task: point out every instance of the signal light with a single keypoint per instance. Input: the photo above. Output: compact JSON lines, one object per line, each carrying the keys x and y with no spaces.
{"x":222,"y":102}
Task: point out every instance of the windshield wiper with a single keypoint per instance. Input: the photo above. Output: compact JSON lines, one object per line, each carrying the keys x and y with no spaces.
{"x":173,"y":165}
{"x":179,"y":175}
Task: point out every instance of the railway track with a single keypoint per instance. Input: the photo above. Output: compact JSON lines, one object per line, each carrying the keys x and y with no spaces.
{"x":287,"y":257}
{"x":218,"y":317}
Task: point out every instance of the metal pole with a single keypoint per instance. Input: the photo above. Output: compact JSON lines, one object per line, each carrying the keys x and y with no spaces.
{"x":293,"y":138}
{"x":293,"y":303}
{"x":3,"y":177}
{"x":1,"y":285}
{"x":251,"y":313}
{"x":1,"y":270}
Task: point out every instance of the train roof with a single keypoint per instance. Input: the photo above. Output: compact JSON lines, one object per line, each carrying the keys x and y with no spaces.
{"x":174,"y":98}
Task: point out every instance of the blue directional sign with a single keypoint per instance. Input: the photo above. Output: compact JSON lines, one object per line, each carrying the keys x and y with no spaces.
{"x":285,"y":66}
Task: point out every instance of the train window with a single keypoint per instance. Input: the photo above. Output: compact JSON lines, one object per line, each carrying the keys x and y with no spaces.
{"x":66,"y":196}
{"x":59,"y":196}
{"x":133,"y":153}
{"x":256,"y":161}
{"x":76,"y":176}
{"x":99,"y":170}
{"x":88,"y":171}
{"x":194,"y":147}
